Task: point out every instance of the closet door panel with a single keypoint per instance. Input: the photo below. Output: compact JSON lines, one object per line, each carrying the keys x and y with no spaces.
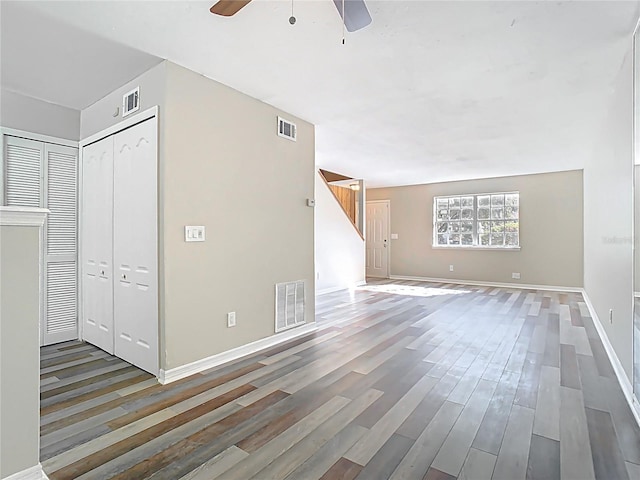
{"x":97,"y":244}
{"x":23,"y":161}
{"x":61,"y":186}
{"x":136,"y":246}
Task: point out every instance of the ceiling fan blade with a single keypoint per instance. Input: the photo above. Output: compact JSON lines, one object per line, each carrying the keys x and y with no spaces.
{"x":356,"y":15}
{"x":228,"y":8}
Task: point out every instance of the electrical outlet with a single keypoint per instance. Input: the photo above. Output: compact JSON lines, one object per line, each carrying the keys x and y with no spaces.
{"x":451,"y":268}
{"x":515,"y":275}
{"x":231,"y":319}
{"x":611,"y":316}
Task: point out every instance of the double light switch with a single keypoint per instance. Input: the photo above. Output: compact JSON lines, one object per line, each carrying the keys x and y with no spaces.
{"x":194,"y":233}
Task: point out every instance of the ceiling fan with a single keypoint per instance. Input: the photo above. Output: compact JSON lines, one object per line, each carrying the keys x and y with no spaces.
{"x":356,"y":15}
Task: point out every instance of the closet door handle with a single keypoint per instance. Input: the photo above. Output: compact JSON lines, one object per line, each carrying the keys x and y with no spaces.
{"x":124,"y":276}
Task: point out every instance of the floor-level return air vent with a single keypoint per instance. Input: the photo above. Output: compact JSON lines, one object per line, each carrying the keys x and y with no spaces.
{"x":290,"y":305}
{"x":286,"y":129}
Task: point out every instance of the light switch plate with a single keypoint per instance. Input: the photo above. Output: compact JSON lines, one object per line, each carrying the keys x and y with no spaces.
{"x":394,"y":236}
{"x":194,"y":233}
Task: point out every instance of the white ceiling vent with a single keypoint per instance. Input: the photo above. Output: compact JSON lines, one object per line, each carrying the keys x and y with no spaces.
{"x":131,"y":102}
{"x":286,"y":129}
{"x":290,"y":307}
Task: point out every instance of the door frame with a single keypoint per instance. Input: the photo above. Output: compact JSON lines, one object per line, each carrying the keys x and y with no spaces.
{"x":151,"y":112}
{"x":388,"y":203}
{"x":38,"y":137}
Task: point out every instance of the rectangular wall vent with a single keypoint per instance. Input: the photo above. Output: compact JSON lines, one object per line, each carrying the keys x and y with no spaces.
{"x":131,"y":102}
{"x":286,"y":129}
{"x":290,"y":305}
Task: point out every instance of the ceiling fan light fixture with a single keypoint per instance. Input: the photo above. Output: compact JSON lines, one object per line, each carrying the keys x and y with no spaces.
{"x":228,"y":8}
{"x":356,"y":15}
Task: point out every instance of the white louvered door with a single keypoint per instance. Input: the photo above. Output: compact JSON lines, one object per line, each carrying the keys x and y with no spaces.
{"x":61,"y":198}
{"x":38,"y":174}
{"x":24,"y":161}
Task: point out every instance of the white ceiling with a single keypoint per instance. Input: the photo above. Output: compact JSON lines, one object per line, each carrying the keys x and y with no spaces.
{"x":46,"y":58}
{"x":430,"y":91}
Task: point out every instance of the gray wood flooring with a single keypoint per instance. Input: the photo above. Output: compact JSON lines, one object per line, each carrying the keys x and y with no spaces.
{"x":404,"y":380}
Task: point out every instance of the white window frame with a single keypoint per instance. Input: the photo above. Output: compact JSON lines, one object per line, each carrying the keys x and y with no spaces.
{"x":476,"y":245}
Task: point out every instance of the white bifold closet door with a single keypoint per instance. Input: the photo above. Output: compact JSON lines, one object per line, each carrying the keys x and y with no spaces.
{"x":97,"y":244}
{"x":135,"y":245}
{"x":120,"y":245}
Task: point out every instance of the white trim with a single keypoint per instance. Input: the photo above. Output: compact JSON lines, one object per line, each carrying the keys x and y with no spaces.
{"x":474,"y":247}
{"x":32,"y":473}
{"x":12,"y":132}
{"x":23,"y":216}
{"x":635,"y":193}
{"x":168,"y":376}
{"x":79,"y":252}
{"x":623,"y":379}
{"x":325,"y":291}
{"x":118,"y":127}
{"x":337,"y":289}
{"x":524,"y":286}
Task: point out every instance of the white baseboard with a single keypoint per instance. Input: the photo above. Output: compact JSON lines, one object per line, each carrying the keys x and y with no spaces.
{"x":623,"y":380}
{"x":33,"y":473}
{"x":337,"y":289}
{"x":173,"y":374}
{"x":325,"y":291}
{"x":525,"y":286}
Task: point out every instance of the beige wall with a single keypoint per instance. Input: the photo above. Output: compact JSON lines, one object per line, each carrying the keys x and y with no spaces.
{"x":19,"y":353}
{"x":551,"y":224}
{"x":226,"y":168}
{"x":608,"y":184}
{"x":221,"y":165}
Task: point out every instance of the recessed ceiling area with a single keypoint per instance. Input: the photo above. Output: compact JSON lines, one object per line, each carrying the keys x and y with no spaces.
{"x":429,"y":92}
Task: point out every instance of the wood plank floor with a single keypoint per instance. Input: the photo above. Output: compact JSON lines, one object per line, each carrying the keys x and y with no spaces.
{"x":405,"y":380}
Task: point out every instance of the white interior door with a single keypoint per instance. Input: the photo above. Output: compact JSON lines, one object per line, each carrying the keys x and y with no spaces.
{"x":377,"y":239}
{"x":135,"y":245}
{"x":97,"y":244}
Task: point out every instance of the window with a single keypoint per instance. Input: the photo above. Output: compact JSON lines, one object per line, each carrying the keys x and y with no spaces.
{"x":488,"y":221}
